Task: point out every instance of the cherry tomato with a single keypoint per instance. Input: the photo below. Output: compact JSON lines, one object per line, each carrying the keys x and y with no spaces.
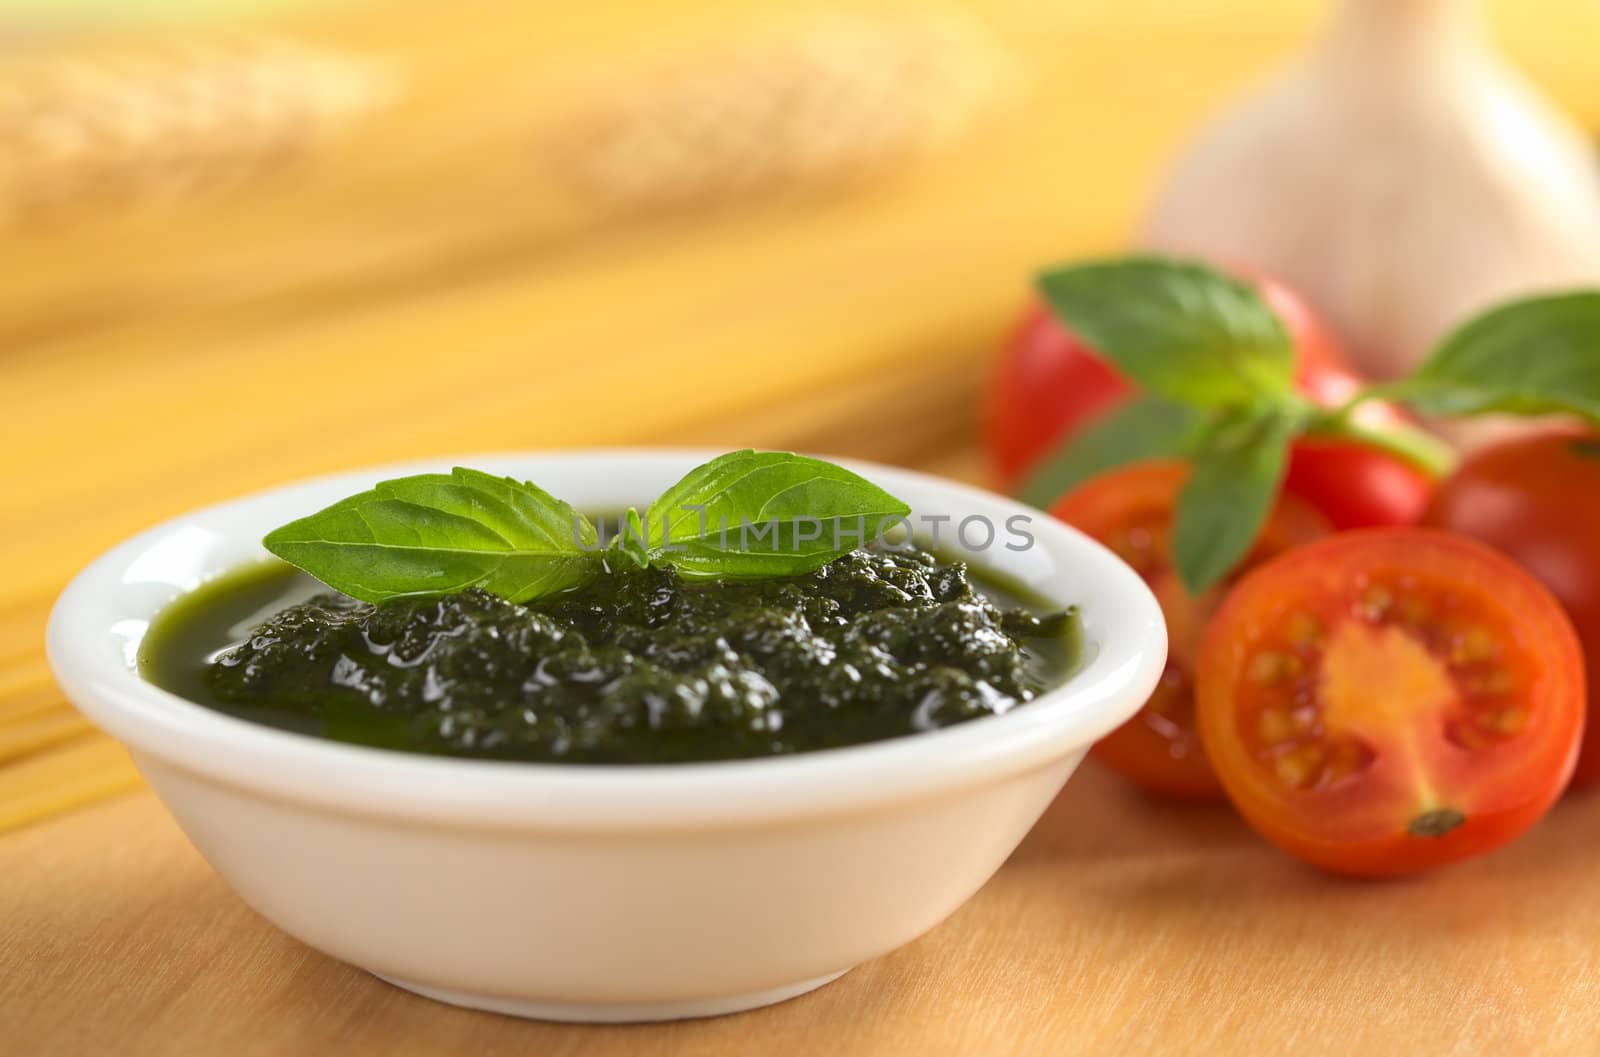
{"x":1130,"y":510}
{"x":1390,"y":700}
{"x":1537,"y":499}
{"x":1355,"y":486}
{"x":1049,"y":385}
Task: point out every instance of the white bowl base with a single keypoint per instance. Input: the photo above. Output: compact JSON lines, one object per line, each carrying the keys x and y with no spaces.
{"x":622,"y":1013}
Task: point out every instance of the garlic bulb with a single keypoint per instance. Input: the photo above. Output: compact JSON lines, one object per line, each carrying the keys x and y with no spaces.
{"x":1400,"y":176}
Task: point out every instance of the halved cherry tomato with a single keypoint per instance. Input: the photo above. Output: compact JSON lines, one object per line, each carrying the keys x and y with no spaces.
{"x":1390,"y":700}
{"x":1537,"y":499}
{"x":1049,"y":385}
{"x":1130,"y":510}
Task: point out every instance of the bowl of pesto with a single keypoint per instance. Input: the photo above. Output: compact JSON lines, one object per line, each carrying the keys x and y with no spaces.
{"x":697,"y":736}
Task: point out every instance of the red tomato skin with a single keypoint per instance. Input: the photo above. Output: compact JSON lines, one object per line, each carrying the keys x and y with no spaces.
{"x":1356,"y":487}
{"x":1537,"y":499}
{"x":1048,"y":385}
{"x":1506,"y":803}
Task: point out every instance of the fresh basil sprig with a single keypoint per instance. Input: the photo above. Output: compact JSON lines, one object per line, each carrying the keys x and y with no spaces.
{"x":1533,"y":356}
{"x":1179,"y":329}
{"x":750,"y":514}
{"x":1217,"y":366}
{"x":431,"y":534}
{"x":435,"y":533}
{"x":1146,"y":427}
{"x":1237,"y":471}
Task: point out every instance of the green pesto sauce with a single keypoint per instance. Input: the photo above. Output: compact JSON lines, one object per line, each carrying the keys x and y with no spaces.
{"x":637,"y":667}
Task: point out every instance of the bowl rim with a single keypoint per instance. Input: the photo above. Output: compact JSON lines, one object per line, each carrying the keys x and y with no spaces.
{"x":1130,"y":651}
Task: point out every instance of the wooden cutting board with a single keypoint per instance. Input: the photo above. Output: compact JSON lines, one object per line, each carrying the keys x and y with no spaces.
{"x":1121,"y":926}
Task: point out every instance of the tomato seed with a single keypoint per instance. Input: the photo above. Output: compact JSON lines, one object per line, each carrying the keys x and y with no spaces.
{"x":1494,"y":682}
{"x":1298,"y":766}
{"x":1473,"y":646}
{"x":1468,"y":735}
{"x":1302,"y":630}
{"x":1375,"y":603}
{"x":1270,"y":667}
{"x":1292,"y":771}
{"x":1345,"y":759}
{"x":1504,"y":721}
{"x":1273,"y":725}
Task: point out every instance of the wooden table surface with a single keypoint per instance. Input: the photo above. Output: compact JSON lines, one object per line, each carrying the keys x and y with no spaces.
{"x":415,"y":286}
{"x":1121,"y":926}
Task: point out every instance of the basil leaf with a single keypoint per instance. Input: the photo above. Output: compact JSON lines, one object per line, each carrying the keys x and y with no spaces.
{"x":751,"y":514}
{"x":633,"y":539}
{"x":436,"y":533}
{"x":1146,"y":427}
{"x":1238,"y":470}
{"x":1529,"y":357}
{"x":1180,"y":329}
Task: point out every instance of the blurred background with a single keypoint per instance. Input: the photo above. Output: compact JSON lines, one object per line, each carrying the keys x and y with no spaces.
{"x":246,"y":240}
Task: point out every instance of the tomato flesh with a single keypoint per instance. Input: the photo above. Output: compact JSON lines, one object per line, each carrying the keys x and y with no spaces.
{"x":1130,"y":510}
{"x":1537,"y":499}
{"x":1390,"y":700}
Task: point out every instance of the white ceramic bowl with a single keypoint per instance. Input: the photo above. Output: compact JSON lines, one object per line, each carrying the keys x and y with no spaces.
{"x":600,"y":893}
